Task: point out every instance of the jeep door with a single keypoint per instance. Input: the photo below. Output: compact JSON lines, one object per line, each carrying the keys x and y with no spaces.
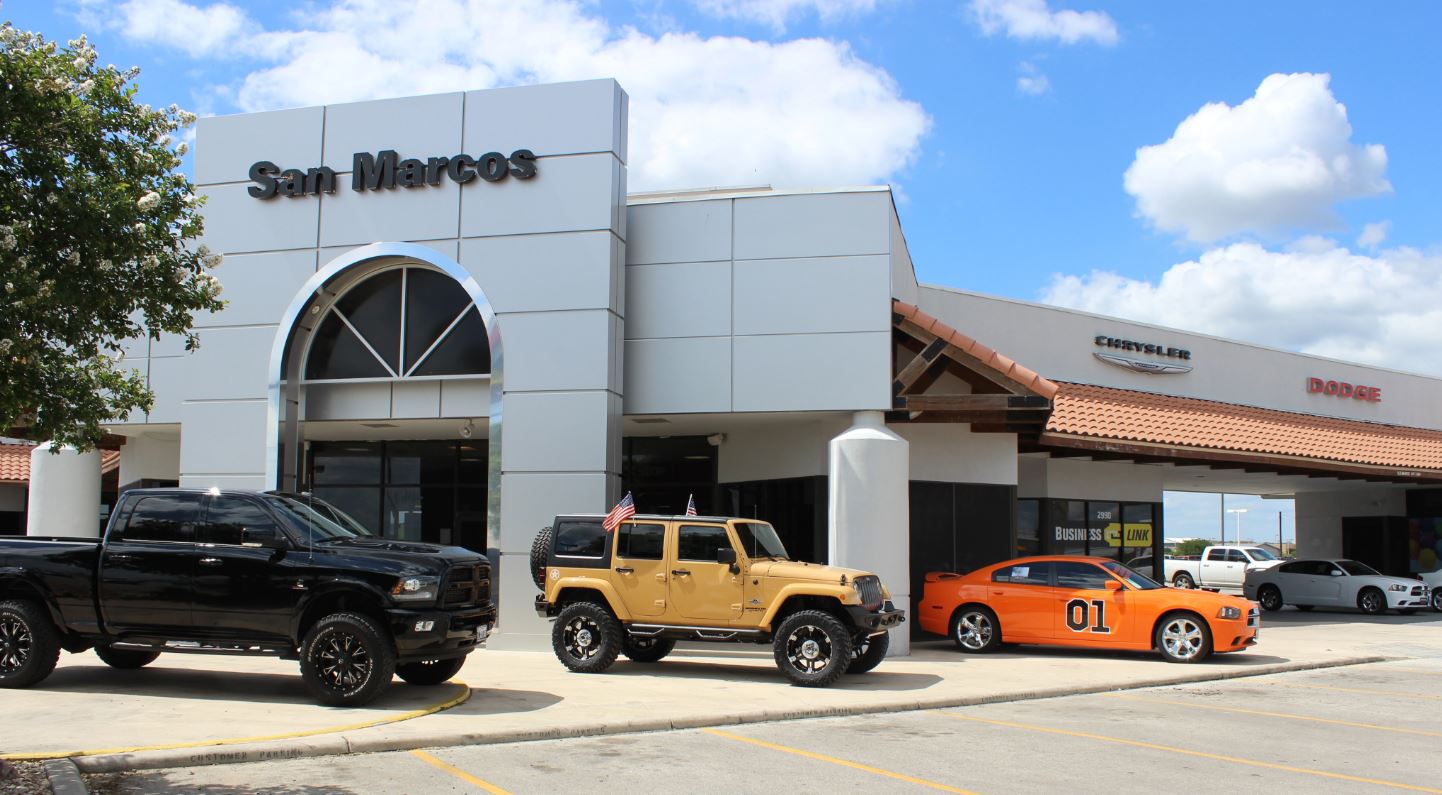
{"x":639,"y":567}
{"x":702,"y":589}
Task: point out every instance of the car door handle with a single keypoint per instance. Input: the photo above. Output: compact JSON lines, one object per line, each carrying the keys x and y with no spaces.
{"x":119,"y":557}
{"x":625,"y":570}
{"x":680,"y":572}
{"x":210,"y":561}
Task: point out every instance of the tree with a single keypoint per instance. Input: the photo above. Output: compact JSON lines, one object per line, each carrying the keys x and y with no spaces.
{"x":96,"y":227}
{"x":1192,"y":546}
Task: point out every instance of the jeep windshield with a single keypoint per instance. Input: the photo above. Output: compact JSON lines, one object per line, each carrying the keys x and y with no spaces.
{"x":315,"y":519}
{"x":759,"y":540}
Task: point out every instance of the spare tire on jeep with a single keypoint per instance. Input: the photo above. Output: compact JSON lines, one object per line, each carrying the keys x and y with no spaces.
{"x":540,"y":553}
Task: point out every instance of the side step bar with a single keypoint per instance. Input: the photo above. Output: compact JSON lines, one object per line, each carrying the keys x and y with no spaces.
{"x":196,"y":647}
{"x":697,"y":633}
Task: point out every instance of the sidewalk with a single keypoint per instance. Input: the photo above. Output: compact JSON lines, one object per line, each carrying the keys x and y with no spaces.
{"x":187,"y":710}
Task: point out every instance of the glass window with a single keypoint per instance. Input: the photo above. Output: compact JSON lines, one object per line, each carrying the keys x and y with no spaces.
{"x":1357,"y":569}
{"x":759,"y":540}
{"x":402,"y":515}
{"x":433,"y":300}
{"x":1236,"y":556}
{"x":336,"y":352}
{"x":641,"y":541}
{"x":466,"y":349}
{"x":581,"y":539}
{"x":420,"y":462}
{"x":362,"y":504}
{"x":1028,"y":527}
{"x":1024,"y":574}
{"x":162,"y":519}
{"x":1069,"y":527}
{"x":1258,"y":553}
{"x":1133,"y":578}
{"x":701,"y":542}
{"x":1297,"y":567}
{"x":345,"y":463}
{"x":1217,"y":554}
{"x":1081,"y":576}
{"x":228,"y":517}
{"x":373,"y":307}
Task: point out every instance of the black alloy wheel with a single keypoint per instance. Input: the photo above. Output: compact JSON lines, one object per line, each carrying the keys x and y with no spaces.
{"x":29,"y":644}
{"x":586,"y":637}
{"x":1270,"y":597}
{"x":125,"y":659}
{"x":1371,"y":601}
{"x":975,"y":630}
{"x":812,"y":648}
{"x":426,"y":673}
{"x":1183,"y":580}
{"x":870,"y":651}
{"x":347,"y":660}
{"x":647,"y":650}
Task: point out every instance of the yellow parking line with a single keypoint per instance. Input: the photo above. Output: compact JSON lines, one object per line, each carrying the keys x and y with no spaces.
{"x":1362,"y":690}
{"x":1189,"y":752}
{"x":459,"y":773}
{"x":1265,"y":714}
{"x":460,"y":698}
{"x":842,"y":762}
{"x":1389,"y":669}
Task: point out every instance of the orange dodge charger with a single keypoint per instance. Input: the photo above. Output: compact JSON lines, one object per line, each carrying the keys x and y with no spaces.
{"x":1065,"y":600}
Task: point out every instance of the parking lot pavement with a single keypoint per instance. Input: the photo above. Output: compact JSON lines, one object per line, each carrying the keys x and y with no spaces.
{"x":1360,"y":728}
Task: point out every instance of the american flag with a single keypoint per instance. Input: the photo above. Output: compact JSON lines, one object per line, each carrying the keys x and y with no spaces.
{"x":624,"y":510}
{"x":690,"y":505}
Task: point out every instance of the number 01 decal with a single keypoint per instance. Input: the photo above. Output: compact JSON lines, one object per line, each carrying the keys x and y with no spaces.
{"x":1079,"y":619}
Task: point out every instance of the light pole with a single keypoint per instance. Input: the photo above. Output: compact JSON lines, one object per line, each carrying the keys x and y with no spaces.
{"x":1238,"y":512}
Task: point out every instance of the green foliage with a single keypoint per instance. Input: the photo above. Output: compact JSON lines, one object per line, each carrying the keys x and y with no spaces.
{"x":95,"y":225}
{"x":1192,"y":546}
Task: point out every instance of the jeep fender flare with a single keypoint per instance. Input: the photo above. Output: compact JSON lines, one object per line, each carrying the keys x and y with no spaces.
{"x":613,"y":599}
{"x":816,"y":590}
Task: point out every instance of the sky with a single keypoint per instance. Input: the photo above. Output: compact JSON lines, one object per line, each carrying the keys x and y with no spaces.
{"x":1260,"y":171}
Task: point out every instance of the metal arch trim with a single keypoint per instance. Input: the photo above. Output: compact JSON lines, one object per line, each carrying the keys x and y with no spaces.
{"x":1142,"y":366}
{"x":428,"y":256}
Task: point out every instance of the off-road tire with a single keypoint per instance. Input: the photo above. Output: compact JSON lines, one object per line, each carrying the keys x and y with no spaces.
{"x":1270,"y":598}
{"x":823,"y":661}
{"x":540,"y":553}
{"x":1372,"y":601}
{"x":347,"y":660}
{"x":869,"y":653}
{"x":1183,"y":637}
{"x":586,"y":637}
{"x":126,"y":659}
{"x":29,"y":644}
{"x":975,"y":630}
{"x":1183,"y":580}
{"x":647,"y":650}
{"x":427,"y":673}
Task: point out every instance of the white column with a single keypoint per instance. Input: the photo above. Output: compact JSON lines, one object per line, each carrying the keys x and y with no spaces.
{"x":870,"y":519}
{"x":64,"y":493}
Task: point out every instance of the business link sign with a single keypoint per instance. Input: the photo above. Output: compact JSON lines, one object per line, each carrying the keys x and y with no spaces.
{"x":386,"y":170}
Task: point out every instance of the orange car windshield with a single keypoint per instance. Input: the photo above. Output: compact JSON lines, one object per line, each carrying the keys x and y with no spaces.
{"x":1132,"y":578}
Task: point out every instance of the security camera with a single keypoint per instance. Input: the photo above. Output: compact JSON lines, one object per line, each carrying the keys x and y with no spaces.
{"x":716,"y":439}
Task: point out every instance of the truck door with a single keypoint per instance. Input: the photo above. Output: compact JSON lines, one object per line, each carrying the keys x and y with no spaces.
{"x":1223,"y":568}
{"x":246,"y":586}
{"x":702,"y":589}
{"x":639,"y":567}
{"x":147,"y":567}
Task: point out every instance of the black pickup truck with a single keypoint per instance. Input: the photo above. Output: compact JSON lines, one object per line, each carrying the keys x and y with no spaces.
{"x":232,"y":572}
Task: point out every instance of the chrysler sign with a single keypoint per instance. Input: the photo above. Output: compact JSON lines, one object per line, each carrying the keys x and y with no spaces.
{"x":1116,"y":346}
{"x":386,"y":170}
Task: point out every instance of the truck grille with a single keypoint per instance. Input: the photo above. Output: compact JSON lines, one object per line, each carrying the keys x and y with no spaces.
{"x":467,"y":586}
{"x":869,"y":588}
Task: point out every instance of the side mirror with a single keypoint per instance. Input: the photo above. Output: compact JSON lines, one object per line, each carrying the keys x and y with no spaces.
{"x":1335,"y":573}
{"x":262,"y":537}
{"x":1114,"y":585}
{"x":727,"y":555}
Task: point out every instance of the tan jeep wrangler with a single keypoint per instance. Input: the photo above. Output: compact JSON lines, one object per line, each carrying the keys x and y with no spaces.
{"x":660,"y":579}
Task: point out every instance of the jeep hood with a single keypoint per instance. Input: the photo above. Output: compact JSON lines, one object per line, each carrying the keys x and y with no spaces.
{"x":796,"y":570}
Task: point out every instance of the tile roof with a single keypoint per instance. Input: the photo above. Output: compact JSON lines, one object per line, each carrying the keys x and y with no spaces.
{"x":1123,"y":414}
{"x":15,"y":462}
{"x":1003,"y":365}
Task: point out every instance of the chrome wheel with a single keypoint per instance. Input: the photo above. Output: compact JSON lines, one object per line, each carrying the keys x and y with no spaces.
{"x":1183,"y":581}
{"x":974,"y":630}
{"x":1182,"y":638}
{"x":16,"y":644}
{"x":808,"y":648}
{"x":343,"y":661}
{"x":582,"y":638}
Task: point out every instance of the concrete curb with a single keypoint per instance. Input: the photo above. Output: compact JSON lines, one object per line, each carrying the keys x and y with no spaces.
{"x":65,"y":778}
{"x":344,"y":744}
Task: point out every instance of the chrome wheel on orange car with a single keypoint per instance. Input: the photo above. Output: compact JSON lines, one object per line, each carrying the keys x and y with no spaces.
{"x":975,"y":629}
{"x":1183,"y":638}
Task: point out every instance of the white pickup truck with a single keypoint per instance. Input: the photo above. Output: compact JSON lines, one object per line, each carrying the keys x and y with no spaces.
{"x":1222,"y":566}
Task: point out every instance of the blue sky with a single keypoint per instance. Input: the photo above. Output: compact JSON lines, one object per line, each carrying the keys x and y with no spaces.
{"x":1263,"y":171}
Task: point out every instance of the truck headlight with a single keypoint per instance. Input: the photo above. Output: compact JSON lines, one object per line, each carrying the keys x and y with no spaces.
{"x":1397,"y":587}
{"x":415,"y":589}
{"x":1230,"y":612}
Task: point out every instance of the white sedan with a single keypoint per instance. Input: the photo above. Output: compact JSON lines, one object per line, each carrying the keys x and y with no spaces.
{"x":1434,"y":581}
{"x":1333,"y":583}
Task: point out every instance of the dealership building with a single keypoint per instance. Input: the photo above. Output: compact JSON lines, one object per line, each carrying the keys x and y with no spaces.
{"x":448,"y":317}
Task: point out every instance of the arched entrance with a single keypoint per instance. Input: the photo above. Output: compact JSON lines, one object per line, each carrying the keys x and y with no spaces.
{"x":388,"y":317}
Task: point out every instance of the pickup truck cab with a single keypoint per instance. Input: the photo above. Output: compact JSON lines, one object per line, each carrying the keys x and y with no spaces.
{"x":231,"y":572}
{"x":1221,"y":566}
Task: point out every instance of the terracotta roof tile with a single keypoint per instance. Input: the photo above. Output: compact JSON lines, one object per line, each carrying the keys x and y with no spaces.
{"x":15,"y":462}
{"x":993,"y":359}
{"x":1164,"y":419}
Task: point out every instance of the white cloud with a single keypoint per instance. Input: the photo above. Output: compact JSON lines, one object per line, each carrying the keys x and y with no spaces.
{"x":1032,"y":80}
{"x":777,"y":13}
{"x":704,"y":111}
{"x":1279,"y":160}
{"x":1373,"y":235}
{"x":1314,"y":296}
{"x":1035,"y":20}
{"x":195,"y":30}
